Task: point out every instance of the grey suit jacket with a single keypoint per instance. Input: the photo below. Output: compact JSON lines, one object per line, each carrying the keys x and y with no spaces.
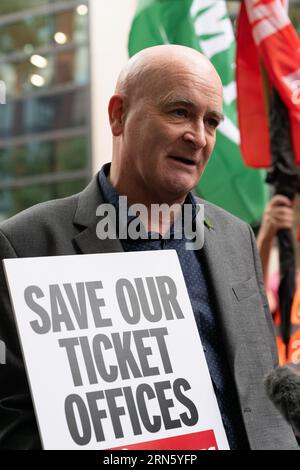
{"x":68,"y":227}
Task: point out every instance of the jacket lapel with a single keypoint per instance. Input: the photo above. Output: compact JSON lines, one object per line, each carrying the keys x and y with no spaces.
{"x":221,"y":289}
{"x":86,"y":220}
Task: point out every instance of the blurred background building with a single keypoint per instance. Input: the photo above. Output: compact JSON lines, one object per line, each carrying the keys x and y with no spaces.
{"x":45,"y":122}
{"x":56,"y":93}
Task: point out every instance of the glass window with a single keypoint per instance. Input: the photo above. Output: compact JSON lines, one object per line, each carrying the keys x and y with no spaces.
{"x":67,"y":188}
{"x":44,"y":113}
{"x":11,"y":6}
{"x":26,"y":35}
{"x":72,"y":26}
{"x":39,"y":158}
{"x":70,"y":66}
{"x":43,"y":31}
{"x":13,"y":201}
{"x":39,"y":73}
{"x":44,"y":65}
{"x":22,"y":77}
{"x":71,"y":154}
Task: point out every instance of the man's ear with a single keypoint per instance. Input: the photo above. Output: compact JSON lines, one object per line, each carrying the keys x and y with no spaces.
{"x":116,"y":111}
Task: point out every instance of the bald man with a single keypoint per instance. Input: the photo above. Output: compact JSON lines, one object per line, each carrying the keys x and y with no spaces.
{"x":163,"y":116}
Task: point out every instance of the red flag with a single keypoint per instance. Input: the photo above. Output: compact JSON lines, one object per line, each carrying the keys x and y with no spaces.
{"x":266,"y":40}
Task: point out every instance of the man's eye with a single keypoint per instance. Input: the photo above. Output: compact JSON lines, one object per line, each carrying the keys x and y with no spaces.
{"x":212,"y":122}
{"x":180,"y":112}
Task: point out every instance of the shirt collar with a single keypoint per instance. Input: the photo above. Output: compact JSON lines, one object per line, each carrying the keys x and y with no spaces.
{"x":110,"y":195}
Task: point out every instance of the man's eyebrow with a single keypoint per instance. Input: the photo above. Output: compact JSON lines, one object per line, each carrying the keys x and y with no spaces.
{"x":173,"y":101}
{"x":219,"y":116}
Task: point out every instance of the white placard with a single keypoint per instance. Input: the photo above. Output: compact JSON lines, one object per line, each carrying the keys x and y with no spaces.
{"x":113,"y":353}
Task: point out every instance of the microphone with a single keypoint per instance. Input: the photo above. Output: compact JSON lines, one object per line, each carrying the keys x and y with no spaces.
{"x":283,"y":388}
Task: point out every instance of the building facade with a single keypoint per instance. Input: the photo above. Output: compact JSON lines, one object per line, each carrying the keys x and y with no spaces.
{"x":45,"y":120}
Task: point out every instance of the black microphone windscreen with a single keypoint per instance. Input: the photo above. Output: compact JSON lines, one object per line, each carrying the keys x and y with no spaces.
{"x":283,"y":389}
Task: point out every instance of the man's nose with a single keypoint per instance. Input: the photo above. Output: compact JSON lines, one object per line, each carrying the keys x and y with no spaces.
{"x":196,"y":135}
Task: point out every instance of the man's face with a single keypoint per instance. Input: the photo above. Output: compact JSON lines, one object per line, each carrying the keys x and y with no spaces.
{"x":169,"y":134}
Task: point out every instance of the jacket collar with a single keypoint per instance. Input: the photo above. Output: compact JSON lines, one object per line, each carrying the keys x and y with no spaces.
{"x":85,"y":216}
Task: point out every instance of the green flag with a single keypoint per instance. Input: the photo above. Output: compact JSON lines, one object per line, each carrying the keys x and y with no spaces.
{"x":206,"y":26}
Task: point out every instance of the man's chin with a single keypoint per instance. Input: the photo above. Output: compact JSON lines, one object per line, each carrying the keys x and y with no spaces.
{"x":178,"y":189}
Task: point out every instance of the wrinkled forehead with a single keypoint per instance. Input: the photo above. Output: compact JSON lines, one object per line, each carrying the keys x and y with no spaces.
{"x":184,"y":83}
